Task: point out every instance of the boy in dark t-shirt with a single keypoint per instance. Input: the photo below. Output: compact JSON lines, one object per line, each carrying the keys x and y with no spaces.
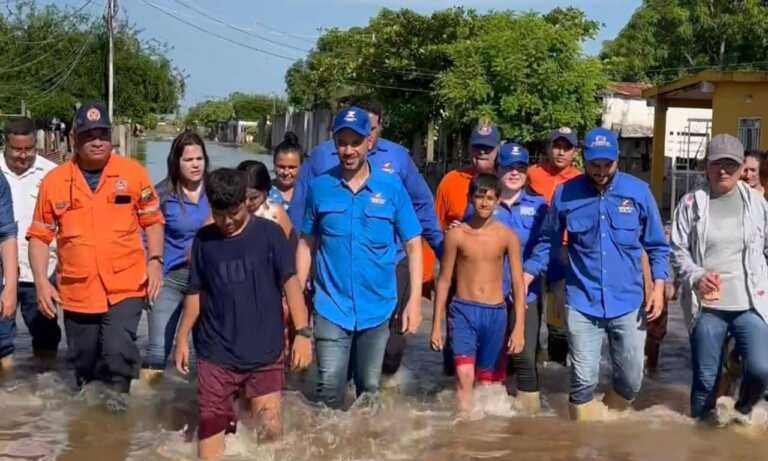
{"x":239,"y":267}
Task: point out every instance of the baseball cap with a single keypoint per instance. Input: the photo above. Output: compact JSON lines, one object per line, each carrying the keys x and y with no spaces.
{"x":512,"y":154}
{"x":725,"y":146}
{"x":354,"y":118}
{"x":601,"y":143}
{"x":92,"y":116}
{"x":569,"y":134}
{"x":487,"y":136}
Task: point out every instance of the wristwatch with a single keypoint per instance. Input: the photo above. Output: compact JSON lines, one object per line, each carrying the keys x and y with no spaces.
{"x":158,"y":258}
{"x":305,"y":332}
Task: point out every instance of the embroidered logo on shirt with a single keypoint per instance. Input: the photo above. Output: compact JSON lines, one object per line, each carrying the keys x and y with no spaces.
{"x":121,"y":185}
{"x":387,"y":167}
{"x":378,"y":199}
{"x":627,"y":206}
{"x":527,"y":211}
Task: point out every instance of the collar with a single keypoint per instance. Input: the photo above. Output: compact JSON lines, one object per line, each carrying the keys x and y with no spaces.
{"x":30,"y":171}
{"x":336,"y":173}
{"x":76,"y":175}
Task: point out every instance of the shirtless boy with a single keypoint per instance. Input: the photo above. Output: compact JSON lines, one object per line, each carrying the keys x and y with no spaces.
{"x":477,"y":316}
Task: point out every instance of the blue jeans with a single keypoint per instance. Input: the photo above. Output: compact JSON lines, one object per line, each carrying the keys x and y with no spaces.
{"x":343,"y":352}
{"x":750,"y":334}
{"x":163,"y":319}
{"x":45,"y":332}
{"x":626,"y":342}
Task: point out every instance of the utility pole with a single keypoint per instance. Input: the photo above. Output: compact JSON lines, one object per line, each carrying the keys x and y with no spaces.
{"x":111,"y":11}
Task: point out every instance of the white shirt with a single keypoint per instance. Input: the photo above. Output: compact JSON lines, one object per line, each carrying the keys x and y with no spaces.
{"x":24,"y":190}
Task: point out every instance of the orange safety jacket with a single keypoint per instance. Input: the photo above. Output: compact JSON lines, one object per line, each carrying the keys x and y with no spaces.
{"x":99,"y":242}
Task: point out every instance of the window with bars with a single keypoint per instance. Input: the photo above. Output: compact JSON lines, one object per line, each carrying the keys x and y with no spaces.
{"x":749,"y":133}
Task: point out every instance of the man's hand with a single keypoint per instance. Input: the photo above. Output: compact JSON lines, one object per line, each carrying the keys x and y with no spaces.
{"x":8,"y":304}
{"x":301,"y":353}
{"x":154,"y":279}
{"x":412,"y":317}
{"x":48,"y":299}
{"x":436,"y":341}
{"x":655,"y":303}
{"x":181,"y":357}
{"x":516,"y":341}
{"x":454,"y":223}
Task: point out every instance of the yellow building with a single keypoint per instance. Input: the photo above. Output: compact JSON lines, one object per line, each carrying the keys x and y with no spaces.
{"x":739,"y":103}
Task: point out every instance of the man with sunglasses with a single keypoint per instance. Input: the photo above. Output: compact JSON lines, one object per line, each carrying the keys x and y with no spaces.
{"x":96,"y":206}
{"x":24,"y":170}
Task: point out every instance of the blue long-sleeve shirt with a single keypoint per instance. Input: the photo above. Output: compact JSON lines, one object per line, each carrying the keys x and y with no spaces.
{"x":606,"y":233}
{"x":388,"y":157}
{"x":8,"y":226}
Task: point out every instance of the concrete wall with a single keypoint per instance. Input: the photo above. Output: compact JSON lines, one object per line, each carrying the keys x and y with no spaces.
{"x":735,"y":100}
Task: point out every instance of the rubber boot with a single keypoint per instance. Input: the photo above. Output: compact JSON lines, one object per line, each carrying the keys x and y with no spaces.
{"x":529,"y":402}
{"x":593,"y":410}
{"x":616,"y":402}
{"x":150,"y":376}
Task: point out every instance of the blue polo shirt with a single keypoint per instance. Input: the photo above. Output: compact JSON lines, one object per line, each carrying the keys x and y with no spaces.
{"x":355,"y":234}
{"x":387,"y":157}
{"x":525,"y":217}
{"x":606,"y":233}
{"x":275,"y":196}
{"x":181,"y":224}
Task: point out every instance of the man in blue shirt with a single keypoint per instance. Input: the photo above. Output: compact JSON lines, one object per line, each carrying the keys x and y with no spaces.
{"x":610,"y":218}
{"x":354,"y":214}
{"x":393,"y":159}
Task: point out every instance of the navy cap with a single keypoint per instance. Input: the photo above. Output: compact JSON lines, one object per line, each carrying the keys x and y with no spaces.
{"x":487,"y":136}
{"x":354,"y":118}
{"x":569,"y":134}
{"x":90,"y":117}
{"x":512,"y":154}
{"x":601,"y":143}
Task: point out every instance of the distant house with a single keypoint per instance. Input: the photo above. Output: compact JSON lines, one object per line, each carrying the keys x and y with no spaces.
{"x":236,"y":131}
{"x":737,"y":103}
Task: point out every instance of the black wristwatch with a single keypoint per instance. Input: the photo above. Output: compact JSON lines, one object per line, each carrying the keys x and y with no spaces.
{"x":305,"y":332}
{"x":158,"y":258}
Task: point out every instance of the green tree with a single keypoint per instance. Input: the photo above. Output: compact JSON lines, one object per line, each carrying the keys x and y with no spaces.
{"x":208,"y":113}
{"x":525,"y":71}
{"x":667,"y":39}
{"x":53,"y":58}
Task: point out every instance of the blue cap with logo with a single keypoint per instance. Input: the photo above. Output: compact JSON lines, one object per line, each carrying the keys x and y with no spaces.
{"x":512,"y":154}
{"x":601,"y":143}
{"x":90,"y":117}
{"x":486,"y":136}
{"x":354,"y":118}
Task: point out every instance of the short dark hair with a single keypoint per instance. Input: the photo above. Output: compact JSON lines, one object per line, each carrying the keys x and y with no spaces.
{"x":483,"y":183}
{"x":19,"y":127}
{"x":225,"y":188}
{"x":367,"y":103}
{"x":256,"y":175}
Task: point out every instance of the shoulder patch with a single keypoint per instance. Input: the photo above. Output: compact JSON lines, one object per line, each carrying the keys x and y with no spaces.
{"x":147,"y":194}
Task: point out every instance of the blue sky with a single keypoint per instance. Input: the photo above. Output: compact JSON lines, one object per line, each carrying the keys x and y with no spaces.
{"x":216,"y":68}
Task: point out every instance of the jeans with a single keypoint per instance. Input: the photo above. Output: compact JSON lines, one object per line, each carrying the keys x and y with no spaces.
{"x":45,"y":332}
{"x":626,"y":340}
{"x":163,"y":319}
{"x":750,"y":334}
{"x":341,"y":353}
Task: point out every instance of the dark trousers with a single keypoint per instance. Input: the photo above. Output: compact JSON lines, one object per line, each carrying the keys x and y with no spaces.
{"x":45,"y":332}
{"x":396,"y":344}
{"x":103,"y":346}
{"x":523,"y":365}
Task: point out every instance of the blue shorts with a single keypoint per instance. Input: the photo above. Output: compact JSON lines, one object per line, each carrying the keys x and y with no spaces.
{"x":478,"y":333}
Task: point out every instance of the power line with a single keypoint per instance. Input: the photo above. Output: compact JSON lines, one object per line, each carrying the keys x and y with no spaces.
{"x":174,"y":15}
{"x":237,"y":28}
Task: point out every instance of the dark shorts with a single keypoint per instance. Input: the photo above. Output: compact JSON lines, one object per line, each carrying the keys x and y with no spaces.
{"x":217,"y":389}
{"x":478,"y":333}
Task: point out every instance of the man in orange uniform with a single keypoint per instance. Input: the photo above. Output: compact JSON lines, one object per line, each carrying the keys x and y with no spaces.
{"x":452,"y":196}
{"x":544,"y":179}
{"x":95,"y":206}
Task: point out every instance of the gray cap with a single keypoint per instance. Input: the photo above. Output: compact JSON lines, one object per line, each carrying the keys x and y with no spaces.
{"x":725,"y":146}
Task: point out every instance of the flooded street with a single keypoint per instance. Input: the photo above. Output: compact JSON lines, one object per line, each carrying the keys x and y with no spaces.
{"x":42,"y":417}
